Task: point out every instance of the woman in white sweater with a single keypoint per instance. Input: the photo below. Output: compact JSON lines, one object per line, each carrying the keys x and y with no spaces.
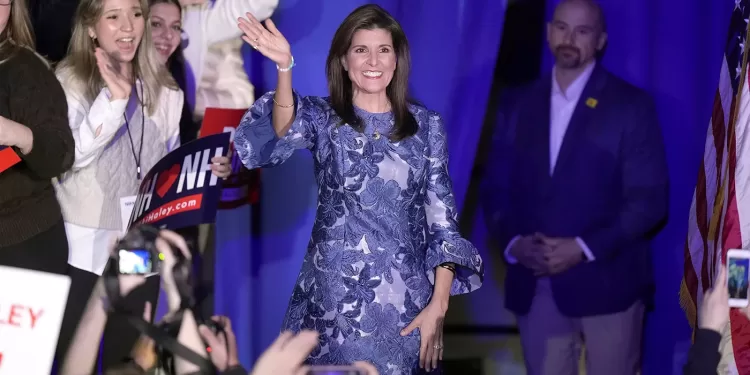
{"x":124,"y":111}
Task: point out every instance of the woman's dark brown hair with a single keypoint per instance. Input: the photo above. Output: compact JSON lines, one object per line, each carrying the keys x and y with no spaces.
{"x":176,"y":65}
{"x":369,"y":17}
{"x":176,"y":60}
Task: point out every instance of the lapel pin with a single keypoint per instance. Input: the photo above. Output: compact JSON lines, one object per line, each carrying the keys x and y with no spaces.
{"x":591,"y":102}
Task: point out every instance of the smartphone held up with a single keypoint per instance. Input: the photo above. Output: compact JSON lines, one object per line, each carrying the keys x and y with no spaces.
{"x":738,"y":274}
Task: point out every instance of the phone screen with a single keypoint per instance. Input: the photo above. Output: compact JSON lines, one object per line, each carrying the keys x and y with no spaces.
{"x":737,"y":277}
{"x":334,"y":370}
{"x":135,"y":262}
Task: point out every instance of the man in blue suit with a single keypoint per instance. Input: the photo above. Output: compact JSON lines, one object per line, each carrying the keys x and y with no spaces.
{"x":578,"y":187}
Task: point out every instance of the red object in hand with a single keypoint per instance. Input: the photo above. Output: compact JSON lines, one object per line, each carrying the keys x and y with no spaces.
{"x":8,"y":158}
{"x":243,"y":185}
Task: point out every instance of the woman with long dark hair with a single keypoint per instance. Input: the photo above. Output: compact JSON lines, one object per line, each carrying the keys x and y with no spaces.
{"x":385,"y":253}
{"x":166,"y":32}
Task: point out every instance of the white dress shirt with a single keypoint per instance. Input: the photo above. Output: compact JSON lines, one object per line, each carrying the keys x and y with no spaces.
{"x":562,"y":106}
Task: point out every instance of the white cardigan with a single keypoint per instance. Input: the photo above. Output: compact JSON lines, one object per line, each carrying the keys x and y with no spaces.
{"x":212,"y":54}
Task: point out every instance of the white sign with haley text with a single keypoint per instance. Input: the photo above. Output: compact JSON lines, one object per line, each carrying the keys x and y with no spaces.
{"x":32,"y":304}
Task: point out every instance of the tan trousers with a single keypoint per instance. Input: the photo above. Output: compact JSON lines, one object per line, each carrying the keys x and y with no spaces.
{"x":552,"y":342}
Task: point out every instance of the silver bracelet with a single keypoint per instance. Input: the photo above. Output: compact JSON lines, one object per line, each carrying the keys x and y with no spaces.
{"x":291,"y":65}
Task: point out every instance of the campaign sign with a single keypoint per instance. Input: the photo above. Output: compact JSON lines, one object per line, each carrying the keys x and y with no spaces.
{"x":180,"y":190}
{"x":32,"y":304}
{"x":8,"y":158}
{"x":243,"y":185}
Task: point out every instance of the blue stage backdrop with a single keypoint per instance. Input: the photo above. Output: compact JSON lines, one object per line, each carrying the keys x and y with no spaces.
{"x":673,"y":49}
{"x":454,"y":48}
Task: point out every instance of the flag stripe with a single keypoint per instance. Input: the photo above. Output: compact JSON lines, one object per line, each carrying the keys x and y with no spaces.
{"x":734,"y":234}
{"x":718,"y":127}
{"x":721,"y":200}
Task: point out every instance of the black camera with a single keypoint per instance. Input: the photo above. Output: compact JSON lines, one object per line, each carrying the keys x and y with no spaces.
{"x":136,"y":253}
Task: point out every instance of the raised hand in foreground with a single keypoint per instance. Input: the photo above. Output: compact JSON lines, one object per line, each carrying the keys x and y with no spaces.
{"x":267,"y":40}
{"x":223,"y":344}
{"x":287,"y":354}
{"x":714,"y":311}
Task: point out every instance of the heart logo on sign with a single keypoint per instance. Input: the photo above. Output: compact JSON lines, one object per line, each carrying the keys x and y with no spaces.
{"x":166,"y":180}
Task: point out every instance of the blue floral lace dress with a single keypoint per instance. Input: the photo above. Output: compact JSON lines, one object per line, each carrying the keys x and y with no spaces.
{"x":386,"y":218}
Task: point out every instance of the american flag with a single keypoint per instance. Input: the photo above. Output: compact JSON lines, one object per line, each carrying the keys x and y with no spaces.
{"x":720,"y":213}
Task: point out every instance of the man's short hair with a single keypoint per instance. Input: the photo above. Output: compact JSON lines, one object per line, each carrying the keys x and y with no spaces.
{"x":594,"y":6}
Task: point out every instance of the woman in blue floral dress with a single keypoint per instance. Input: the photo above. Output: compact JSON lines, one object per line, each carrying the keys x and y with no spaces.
{"x":385,"y":252}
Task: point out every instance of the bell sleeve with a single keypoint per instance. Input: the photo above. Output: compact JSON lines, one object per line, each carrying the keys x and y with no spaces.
{"x":256,"y":142}
{"x":444,"y":243}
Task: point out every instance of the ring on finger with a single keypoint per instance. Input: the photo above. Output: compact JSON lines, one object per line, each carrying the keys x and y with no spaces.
{"x":437,"y":346}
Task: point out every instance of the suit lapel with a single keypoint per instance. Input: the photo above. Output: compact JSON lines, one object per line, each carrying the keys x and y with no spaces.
{"x":536,"y":124}
{"x":582,"y":117}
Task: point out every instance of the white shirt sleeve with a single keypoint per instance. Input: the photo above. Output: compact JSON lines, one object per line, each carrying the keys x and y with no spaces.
{"x":510,"y":258}
{"x":168,"y":117}
{"x":586,"y":250}
{"x":93,"y":127}
{"x":219,"y":21}
{"x":175,"y":101}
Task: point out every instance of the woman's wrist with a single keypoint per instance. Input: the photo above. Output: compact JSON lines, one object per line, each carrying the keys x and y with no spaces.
{"x":15,"y":134}
{"x":25,"y":138}
{"x":449,"y":266}
{"x":172,"y":294}
{"x":442,"y":290}
{"x":115,"y":96}
{"x":286,"y":64}
{"x":442,"y":299}
{"x":174,"y":301}
{"x":99,"y":290}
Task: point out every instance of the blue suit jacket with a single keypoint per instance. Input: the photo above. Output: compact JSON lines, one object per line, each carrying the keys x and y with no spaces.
{"x":609,"y":187}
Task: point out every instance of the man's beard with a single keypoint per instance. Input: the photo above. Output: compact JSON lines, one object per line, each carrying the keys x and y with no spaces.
{"x":567,"y":57}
